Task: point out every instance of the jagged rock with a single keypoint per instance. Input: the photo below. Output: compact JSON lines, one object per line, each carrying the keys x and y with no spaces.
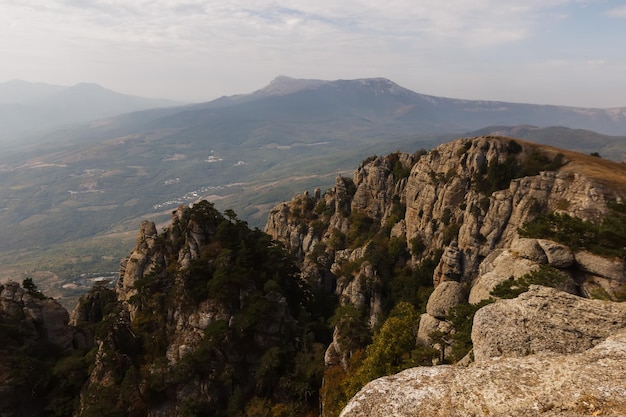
{"x":506,"y":266}
{"x":450,"y":266}
{"x":399,"y":229}
{"x":429,"y":324}
{"x":559,"y":256}
{"x":144,"y":259}
{"x":544,"y":320}
{"x":360,"y":291}
{"x":583,"y":384}
{"x":40,"y":319}
{"x":447,"y":295}
{"x":601,"y":266}
{"x":373,"y":196}
{"x":602,"y":288}
{"x":529,"y":249}
{"x":440,"y":186}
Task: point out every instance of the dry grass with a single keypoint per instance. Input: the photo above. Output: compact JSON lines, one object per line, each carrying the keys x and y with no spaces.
{"x":603,"y":171}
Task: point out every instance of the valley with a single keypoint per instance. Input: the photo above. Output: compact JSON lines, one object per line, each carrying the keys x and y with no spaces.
{"x":83,"y":189}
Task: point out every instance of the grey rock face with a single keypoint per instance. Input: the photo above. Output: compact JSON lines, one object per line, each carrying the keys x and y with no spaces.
{"x":40,"y":320}
{"x":600,"y":266}
{"x":450,"y":267}
{"x":559,"y":256}
{"x":583,"y":384}
{"x":447,"y":295}
{"x":529,"y":249}
{"x":544,"y":320}
{"x":429,"y":324}
{"x":506,"y":266}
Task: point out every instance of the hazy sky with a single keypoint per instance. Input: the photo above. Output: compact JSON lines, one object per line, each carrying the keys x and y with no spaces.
{"x":570,"y":52}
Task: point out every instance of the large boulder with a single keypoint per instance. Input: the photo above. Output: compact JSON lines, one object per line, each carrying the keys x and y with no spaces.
{"x":559,"y":256}
{"x":544,"y":320}
{"x":447,"y":295}
{"x":601,"y":266}
{"x":505,"y":267}
{"x":546,"y":385}
{"x":529,"y":249}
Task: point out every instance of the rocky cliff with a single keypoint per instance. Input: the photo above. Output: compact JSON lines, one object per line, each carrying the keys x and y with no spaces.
{"x":473,"y":216}
{"x":416,"y":260}
{"x":207,"y":315}
{"x":34,"y":331}
{"x":545,"y":353}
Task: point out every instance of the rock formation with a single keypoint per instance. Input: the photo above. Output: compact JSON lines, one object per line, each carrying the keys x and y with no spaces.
{"x":210,"y":315}
{"x":545,"y":353}
{"x":33,"y":329}
{"x":544,"y":320}
{"x":463,"y":205}
{"x":547,"y":385}
{"x":40,"y":319}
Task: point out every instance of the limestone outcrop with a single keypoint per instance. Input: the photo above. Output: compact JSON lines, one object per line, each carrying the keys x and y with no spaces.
{"x":447,"y":295}
{"x":546,"y":385}
{"x":463,"y":203}
{"x":544,"y":320}
{"x":39,"y":319}
{"x":566,"y":355}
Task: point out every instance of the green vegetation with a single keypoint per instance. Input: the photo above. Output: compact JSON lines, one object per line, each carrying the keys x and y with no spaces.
{"x":606,"y":237}
{"x":392,"y":349}
{"x":461,"y":317}
{"x":31,"y":289}
{"x":546,"y":275}
{"x":268,"y":356}
{"x":398,"y":170}
{"x":497,"y":175}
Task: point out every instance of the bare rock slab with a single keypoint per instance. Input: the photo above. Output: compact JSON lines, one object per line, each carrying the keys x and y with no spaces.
{"x":546,"y":385}
{"x":544,"y":320}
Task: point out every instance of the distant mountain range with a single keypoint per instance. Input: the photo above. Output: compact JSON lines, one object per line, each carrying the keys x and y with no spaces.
{"x":35,"y":107}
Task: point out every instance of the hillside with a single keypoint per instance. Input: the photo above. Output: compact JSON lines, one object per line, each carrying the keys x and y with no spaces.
{"x":31,"y":108}
{"x":82,"y":188}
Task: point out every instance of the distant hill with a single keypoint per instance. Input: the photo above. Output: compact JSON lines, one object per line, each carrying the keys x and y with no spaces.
{"x":580,"y":140}
{"x":27,"y":107}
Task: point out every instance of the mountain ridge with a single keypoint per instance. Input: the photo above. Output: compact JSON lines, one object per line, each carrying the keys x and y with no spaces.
{"x":87,"y":180}
{"x":27,"y":107}
{"x":210,"y":317}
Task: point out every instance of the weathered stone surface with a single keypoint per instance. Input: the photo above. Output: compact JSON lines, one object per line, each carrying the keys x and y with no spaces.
{"x":529,"y":249}
{"x":544,"y":320}
{"x":583,"y":384}
{"x":40,"y":320}
{"x":447,"y":295}
{"x":429,"y":324}
{"x":450,"y":267}
{"x":601,"y":266}
{"x":559,"y":256}
{"x":440,"y":186}
{"x":506,"y":266}
{"x":603,"y":288}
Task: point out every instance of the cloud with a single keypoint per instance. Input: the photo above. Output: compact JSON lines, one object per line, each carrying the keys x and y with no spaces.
{"x":619,"y":12}
{"x":205,"y":48}
{"x":479,"y":22}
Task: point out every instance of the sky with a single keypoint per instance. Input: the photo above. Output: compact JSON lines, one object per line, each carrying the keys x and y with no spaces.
{"x":564,"y":52}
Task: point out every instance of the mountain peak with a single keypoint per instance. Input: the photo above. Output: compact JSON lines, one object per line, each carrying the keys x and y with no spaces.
{"x":283,"y":85}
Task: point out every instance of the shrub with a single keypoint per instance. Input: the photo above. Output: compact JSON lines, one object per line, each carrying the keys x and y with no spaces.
{"x":546,"y":275}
